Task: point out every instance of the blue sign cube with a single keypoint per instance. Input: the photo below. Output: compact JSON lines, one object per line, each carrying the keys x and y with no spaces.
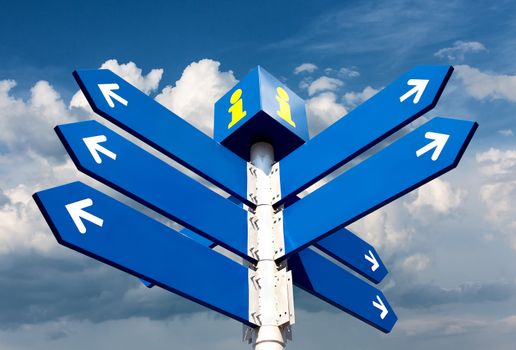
{"x":260,"y":109}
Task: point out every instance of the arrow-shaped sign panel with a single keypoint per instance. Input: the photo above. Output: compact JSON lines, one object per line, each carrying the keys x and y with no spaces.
{"x":347,"y":248}
{"x":322,"y":278}
{"x":398,"y":104}
{"x":124,"y":105}
{"x":385,"y":176}
{"x":152,"y":182}
{"x":143,"y":247}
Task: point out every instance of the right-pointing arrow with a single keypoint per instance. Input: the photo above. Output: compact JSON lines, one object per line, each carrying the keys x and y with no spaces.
{"x":419,"y":86}
{"x":109,"y":95}
{"x":381,"y":306}
{"x":372,"y":259}
{"x":438,"y":142}
{"x":77,"y":214}
{"x":93,"y":146}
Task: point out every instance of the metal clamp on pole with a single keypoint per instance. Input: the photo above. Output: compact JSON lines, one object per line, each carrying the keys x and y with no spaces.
{"x":270,"y":287}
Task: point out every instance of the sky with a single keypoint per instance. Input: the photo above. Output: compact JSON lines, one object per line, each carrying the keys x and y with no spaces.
{"x":450,"y":246}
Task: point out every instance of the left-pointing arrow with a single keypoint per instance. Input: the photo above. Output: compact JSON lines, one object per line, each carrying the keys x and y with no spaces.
{"x":77,"y":214}
{"x":109,"y":95}
{"x":155,"y":184}
{"x":163,"y":130}
{"x":92,"y":143}
{"x":134,"y":243}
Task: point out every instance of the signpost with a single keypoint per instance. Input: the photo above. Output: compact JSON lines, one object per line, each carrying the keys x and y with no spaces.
{"x":263,"y":158}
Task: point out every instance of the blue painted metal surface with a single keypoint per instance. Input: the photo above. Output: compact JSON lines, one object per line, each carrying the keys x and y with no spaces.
{"x":360,"y":129}
{"x":124,"y":105}
{"x":134,"y":243}
{"x":387,"y":175}
{"x":325,"y":280}
{"x":349,"y":249}
{"x":150,"y":181}
{"x":192,"y":235}
{"x":260,"y":108}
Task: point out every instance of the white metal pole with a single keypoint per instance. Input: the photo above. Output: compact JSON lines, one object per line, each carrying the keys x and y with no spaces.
{"x":268,"y":336}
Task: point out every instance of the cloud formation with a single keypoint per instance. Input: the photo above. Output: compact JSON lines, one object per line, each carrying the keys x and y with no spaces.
{"x":305,"y":68}
{"x":194,"y":95}
{"x":460,"y":49}
{"x":486,"y":86}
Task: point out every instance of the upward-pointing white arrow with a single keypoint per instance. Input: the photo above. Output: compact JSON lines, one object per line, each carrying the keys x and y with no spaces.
{"x":419,"y":86}
{"x":77,"y":213}
{"x":93,"y":146}
{"x":109,"y":95}
{"x":372,"y":259}
{"x":381,"y":306}
{"x":439,"y":140}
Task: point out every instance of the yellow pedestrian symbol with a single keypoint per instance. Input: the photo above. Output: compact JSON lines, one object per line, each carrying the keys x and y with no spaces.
{"x":237,"y":108}
{"x":284,"y":107}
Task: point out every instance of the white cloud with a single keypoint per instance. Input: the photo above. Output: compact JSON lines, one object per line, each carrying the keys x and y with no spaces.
{"x":460,"y":49}
{"x":128,"y":71}
{"x":415,"y":263}
{"x":28,"y":125}
{"x":437,"y":195}
{"x":324,"y":84}
{"x":322,"y":110}
{"x":485,"y":86}
{"x":495,"y":162}
{"x":194,"y":95}
{"x":305,"y":68}
{"x":506,"y":132}
{"x":349,"y":72}
{"x":354,"y":98}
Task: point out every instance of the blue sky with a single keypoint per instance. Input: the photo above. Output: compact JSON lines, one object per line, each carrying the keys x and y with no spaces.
{"x":450,"y":246}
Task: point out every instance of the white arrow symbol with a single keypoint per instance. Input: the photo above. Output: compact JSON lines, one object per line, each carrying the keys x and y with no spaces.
{"x":93,"y":146}
{"x":109,"y":95}
{"x":381,"y":306}
{"x":77,"y":213}
{"x":439,"y":140}
{"x":419,"y":86}
{"x":372,"y":259}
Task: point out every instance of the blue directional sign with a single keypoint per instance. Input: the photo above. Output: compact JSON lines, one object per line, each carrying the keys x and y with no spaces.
{"x":124,"y":105}
{"x":427,"y":152}
{"x":345,"y":247}
{"x":329,"y":282}
{"x":308,"y":233}
{"x":96,"y":225}
{"x":410,"y":96}
{"x":113,"y":160}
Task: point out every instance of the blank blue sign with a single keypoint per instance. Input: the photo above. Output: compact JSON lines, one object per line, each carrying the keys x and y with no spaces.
{"x":113,"y":160}
{"x":427,"y":152}
{"x":96,"y":225}
{"x":410,"y":96}
{"x":124,"y":105}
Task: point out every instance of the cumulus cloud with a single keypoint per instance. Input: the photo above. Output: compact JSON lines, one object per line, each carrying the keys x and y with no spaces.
{"x":498,"y":193}
{"x":324,"y":83}
{"x":437,"y":195}
{"x":495,"y":162}
{"x":354,"y":98}
{"x":128,"y":71}
{"x":194,"y":95}
{"x":459,"y":50}
{"x":416,"y":262}
{"x":305,"y":68}
{"x":27,"y":126}
{"x":322,"y":110}
{"x":486,"y":86}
